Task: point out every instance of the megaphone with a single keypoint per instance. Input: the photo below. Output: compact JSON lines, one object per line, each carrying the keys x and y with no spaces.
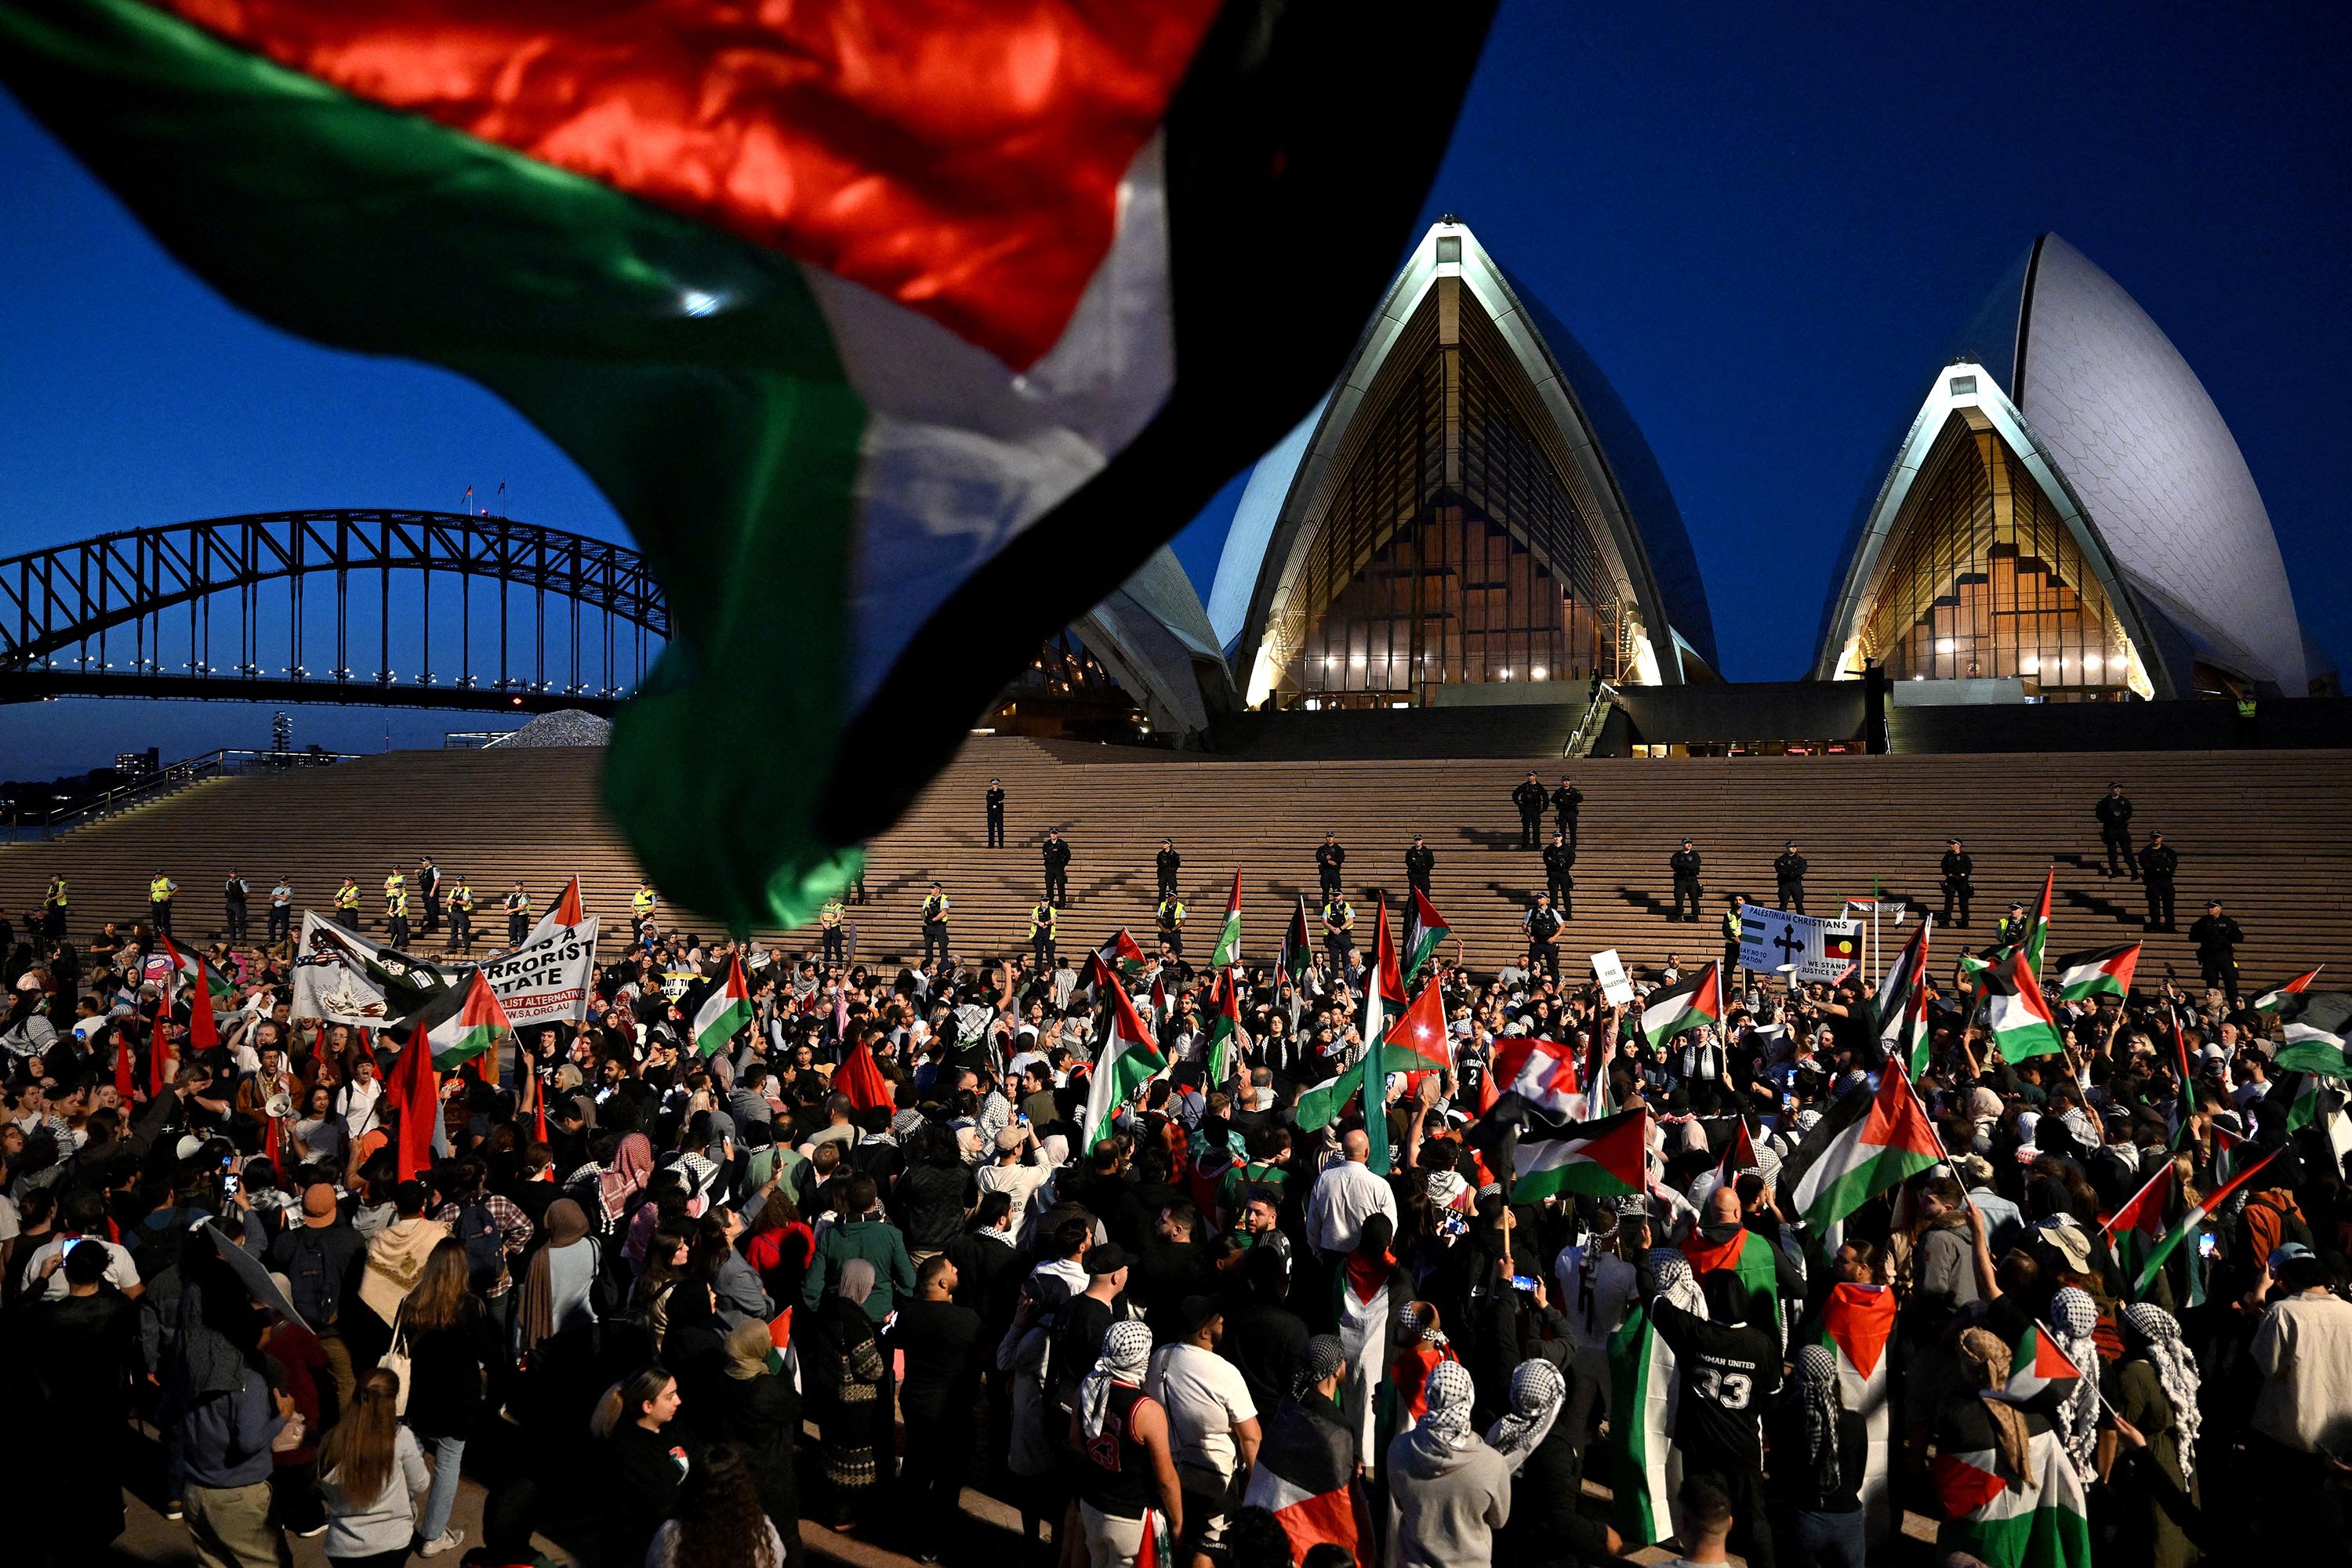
{"x":280,"y":1105}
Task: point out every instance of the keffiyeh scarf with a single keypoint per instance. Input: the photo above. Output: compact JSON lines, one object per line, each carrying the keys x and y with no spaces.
{"x":1816,"y":1394}
{"x":1125,"y":1357}
{"x":2175,"y":1369}
{"x":2075,"y":1318}
{"x":1538,"y":1392}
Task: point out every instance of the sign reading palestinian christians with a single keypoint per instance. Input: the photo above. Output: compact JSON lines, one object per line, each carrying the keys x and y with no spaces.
{"x":1822,"y":948}
{"x":342,"y":977}
{"x":546,"y":979}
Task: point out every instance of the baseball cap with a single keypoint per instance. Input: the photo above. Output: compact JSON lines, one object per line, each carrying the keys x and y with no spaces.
{"x":2282,"y":1256}
{"x":1012,"y":1138}
{"x":1108,"y":1258}
{"x":317,"y":1205}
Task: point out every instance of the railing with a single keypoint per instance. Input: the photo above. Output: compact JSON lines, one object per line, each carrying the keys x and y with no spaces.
{"x":472,"y":740}
{"x":227,"y":762}
{"x":1596,"y":715}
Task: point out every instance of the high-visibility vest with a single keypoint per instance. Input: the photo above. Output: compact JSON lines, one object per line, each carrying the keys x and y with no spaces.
{"x":935,"y":908}
{"x":518,"y":903}
{"x":397,"y":904}
{"x":57,"y":891}
{"x":643,"y":901}
{"x":1336,"y":916}
{"x":1171,"y":914}
{"x":159,"y":891}
{"x":461,"y":897}
{"x":1731,"y":927}
{"x":828,"y":915}
{"x":1041,"y":921}
{"x":347,"y":896}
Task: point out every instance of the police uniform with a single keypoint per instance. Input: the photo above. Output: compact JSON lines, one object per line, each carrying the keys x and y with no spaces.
{"x":2012,"y":930}
{"x":1420,"y":860}
{"x":935,"y":926}
{"x":53,"y":911}
{"x":518,"y":905}
{"x":282,"y":911}
{"x":396,"y":912}
{"x":160,"y":890}
{"x":1170,"y":917}
{"x":1530,"y":798}
{"x":428,"y":893}
{"x":461,"y":916}
{"x":1169,"y":863}
{"x":1339,"y":923}
{"x":233,"y":893}
{"x":1731,"y":940}
{"x":2113,"y":811}
{"x":1567,"y":801}
{"x":1055,"y":852}
{"x":1559,"y":880}
{"x":996,"y":816}
{"x":1960,"y":871}
{"x":1685,"y":864}
{"x":1328,"y":859}
{"x":1543,"y":941}
{"x":832,"y":940}
{"x":642,"y":904}
{"x":2159,"y":864}
{"x":347,"y":905}
{"x":1042,"y":921}
{"x":2217,"y":937}
{"x":1788,"y":876}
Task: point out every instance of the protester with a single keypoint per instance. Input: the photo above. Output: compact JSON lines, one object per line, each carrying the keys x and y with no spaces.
{"x":371,"y":1471}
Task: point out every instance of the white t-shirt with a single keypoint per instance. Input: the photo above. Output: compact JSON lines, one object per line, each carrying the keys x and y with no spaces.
{"x":1596,"y":1303}
{"x":1206,"y":1399}
{"x":122,"y":1272}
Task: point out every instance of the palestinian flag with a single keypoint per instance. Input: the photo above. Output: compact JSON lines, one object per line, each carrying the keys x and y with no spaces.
{"x":1226,"y":1039}
{"x":724,"y":1013}
{"x":1748,"y":1259}
{"x":414,"y":1089}
{"x":868,"y":319}
{"x":2017,"y":1015}
{"x":2313,"y":1051}
{"x":463,"y":1023}
{"x":1419,"y":1041}
{"x":2268,"y":1002}
{"x":1903,"y":1001}
{"x":1129,"y":1059}
{"x":2036,"y":1364}
{"x":1739,"y":1153}
{"x":1305,"y":1476}
{"x":1540,"y":1072}
{"x":1862,"y":1145}
{"x":1229,"y":935}
{"x":2135,"y":1231}
{"x":1383,"y":995}
{"x":567,"y":914}
{"x":859,"y":1080}
{"x":1425,"y":931}
{"x":2194,"y":1220}
{"x":2037,"y":925}
{"x":1363,"y":1306}
{"x":1116,"y":959}
{"x":203,"y":982}
{"x":2039,"y":1519}
{"x":1642,"y":1468}
{"x":1857,"y":1323}
{"x":2101,"y":971}
{"x":1298,"y":945}
{"x":1685,"y":1005}
{"x":1604,"y":1159}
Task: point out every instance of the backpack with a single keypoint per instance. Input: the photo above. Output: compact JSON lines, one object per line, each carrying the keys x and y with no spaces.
{"x":311,"y":1281}
{"x":485,"y":1257}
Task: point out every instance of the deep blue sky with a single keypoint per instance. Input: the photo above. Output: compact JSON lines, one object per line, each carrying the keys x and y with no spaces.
{"x":1766,"y":224}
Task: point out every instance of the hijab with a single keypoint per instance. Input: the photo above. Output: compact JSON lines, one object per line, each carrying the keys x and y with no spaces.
{"x":1538,"y":1392}
{"x":1125,"y":1357}
{"x":632,"y":1165}
{"x":2175,"y":1369}
{"x":566,"y":1223}
{"x":1987,"y":1360}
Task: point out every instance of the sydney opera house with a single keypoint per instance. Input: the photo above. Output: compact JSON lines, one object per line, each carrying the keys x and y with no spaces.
{"x":1471,"y":519}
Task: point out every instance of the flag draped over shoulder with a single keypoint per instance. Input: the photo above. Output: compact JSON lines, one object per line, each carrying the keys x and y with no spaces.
{"x":2038,"y":1521}
{"x":1856,"y":1321}
{"x":867,"y":319}
{"x":1303,"y":1476}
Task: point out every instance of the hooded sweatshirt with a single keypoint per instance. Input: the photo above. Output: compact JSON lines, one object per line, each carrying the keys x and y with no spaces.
{"x":1451,"y":1498}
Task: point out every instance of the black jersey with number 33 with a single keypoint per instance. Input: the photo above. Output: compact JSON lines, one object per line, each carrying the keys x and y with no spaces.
{"x":1729,"y":1374}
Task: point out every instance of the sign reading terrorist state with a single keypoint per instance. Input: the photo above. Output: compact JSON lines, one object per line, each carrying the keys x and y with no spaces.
{"x":546,"y":980}
{"x":1821,"y":948}
{"x":342,"y":977}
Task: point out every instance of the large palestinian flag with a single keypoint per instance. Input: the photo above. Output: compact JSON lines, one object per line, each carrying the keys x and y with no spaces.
{"x":1862,"y":1145}
{"x":1685,"y":1006}
{"x":463,"y":1023}
{"x":1364,"y":1301}
{"x":1856,"y":1322}
{"x":1540,"y":1072}
{"x":2311,"y":1050}
{"x":2037,"y":1520}
{"x":2269,"y":1001}
{"x":1644,"y":1471}
{"x":867,"y":318}
{"x":724,"y":1013}
{"x":2100,"y":971}
{"x":1605,"y":1159}
{"x":1425,"y":931}
{"x":2017,"y":1014}
{"x":1903,"y":1001}
{"x":1131,"y":1058}
{"x":1304,"y":1476}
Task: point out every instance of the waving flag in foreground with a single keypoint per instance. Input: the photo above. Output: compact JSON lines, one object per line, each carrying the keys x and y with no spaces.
{"x":2189,"y":1225}
{"x":2101,"y":971}
{"x":1644,"y":1469}
{"x":2039,"y":1519}
{"x":464,"y":1022}
{"x":2135,"y":1230}
{"x":867,"y":318}
{"x":1540,"y":1072}
{"x":1862,"y":1145}
{"x":1903,"y":1001}
{"x":724,"y":1013}
{"x":2268,"y":1002}
{"x":1687,"y":1005}
{"x":1605,"y":1159}
{"x":1129,"y":1059}
{"x":1304,"y":1476}
{"x":2307,"y":1049}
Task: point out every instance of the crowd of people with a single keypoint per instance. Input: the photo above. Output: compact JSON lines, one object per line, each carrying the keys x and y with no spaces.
{"x":665,"y":1297}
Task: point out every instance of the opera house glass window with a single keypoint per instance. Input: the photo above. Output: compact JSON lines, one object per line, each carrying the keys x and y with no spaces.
{"x":1986,"y":580}
{"x":1451,"y":551}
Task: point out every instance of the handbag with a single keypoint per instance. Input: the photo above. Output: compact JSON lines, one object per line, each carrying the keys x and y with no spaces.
{"x":396,"y":1360}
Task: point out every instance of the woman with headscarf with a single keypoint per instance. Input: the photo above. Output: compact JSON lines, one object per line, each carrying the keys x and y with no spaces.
{"x":556,"y":1284}
{"x":618,"y":1185}
{"x":1451,"y":1491}
{"x":1542,"y":1440}
{"x":1985,"y":1457}
{"x":1129,"y":1497}
{"x":1820,"y":1453}
{"x":2075,"y":1323}
{"x":1422,"y":1347}
{"x":758,"y":1410}
{"x":2155,"y":1475}
{"x":844,"y":1364}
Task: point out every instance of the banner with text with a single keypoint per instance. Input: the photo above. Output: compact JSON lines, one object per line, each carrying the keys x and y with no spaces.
{"x":342,"y":977}
{"x":1822,"y":948}
{"x":546,"y":979}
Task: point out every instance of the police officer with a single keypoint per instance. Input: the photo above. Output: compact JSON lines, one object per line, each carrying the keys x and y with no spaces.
{"x":1329,"y":858}
{"x":429,"y":892}
{"x":395,"y":910}
{"x":160,"y":890}
{"x":1788,"y":876}
{"x":53,"y":909}
{"x":2159,"y":864}
{"x":1543,"y":923}
{"x":996,"y":813}
{"x":461,"y":916}
{"x":347,"y":904}
{"x":1559,"y":880}
{"x":642,"y":904}
{"x":2012,"y":928}
{"x":1170,"y":917}
{"x":281,"y":910}
{"x":233,"y":893}
{"x":517,"y":906}
{"x":935,"y":924}
{"x":1042,"y":919}
{"x":1055,"y":852}
{"x":2217,"y":937}
{"x":1420,"y":860}
{"x":1731,"y":917}
{"x":1169,"y":863}
{"x":1960,"y":871}
{"x":1530,"y":798}
{"x":2113,"y":811}
{"x":1684,"y":863}
{"x":1566,"y":801}
{"x":833,"y":943}
{"x":1339,"y":930}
